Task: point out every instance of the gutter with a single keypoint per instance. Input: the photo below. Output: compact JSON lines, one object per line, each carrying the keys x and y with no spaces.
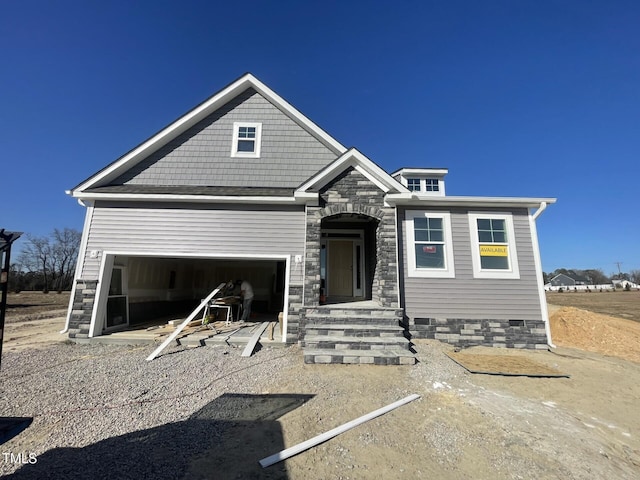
{"x":296,"y":199}
{"x":412,"y":199}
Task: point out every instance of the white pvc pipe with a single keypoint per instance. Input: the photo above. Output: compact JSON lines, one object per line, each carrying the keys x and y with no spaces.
{"x":301,"y":447}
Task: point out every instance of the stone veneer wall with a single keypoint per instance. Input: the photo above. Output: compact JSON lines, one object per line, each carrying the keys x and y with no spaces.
{"x":462,"y":332}
{"x":353,"y":193}
{"x":294,"y":314}
{"x":83,"y":299}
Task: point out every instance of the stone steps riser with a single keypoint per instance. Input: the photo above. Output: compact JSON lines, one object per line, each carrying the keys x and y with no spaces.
{"x":353,"y":321}
{"x":355,"y":313}
{"x":353,"y":346}
{"x":354,"y":333}
{"x":359,"y":359}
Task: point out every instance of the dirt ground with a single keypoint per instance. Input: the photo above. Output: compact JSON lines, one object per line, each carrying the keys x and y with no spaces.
{"x":616,"y":303}
{"x":464,"y":426}
{"x":34,"y":320}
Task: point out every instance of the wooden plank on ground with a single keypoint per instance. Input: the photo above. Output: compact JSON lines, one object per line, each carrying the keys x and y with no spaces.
{"x":177,"y":331}
{"x":254,"y":339}
{"x":301,"y":447}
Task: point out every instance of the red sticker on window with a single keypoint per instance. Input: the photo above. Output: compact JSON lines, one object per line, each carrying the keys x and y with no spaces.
{"x":429,"y":249}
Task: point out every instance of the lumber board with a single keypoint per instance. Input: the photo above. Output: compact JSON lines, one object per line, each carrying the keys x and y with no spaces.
{"x":323,"y":437}
{"x":254,"y":340}
{"x":186,"y":322}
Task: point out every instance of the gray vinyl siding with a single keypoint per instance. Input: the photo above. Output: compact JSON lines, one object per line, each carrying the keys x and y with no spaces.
{"x":202,"y":155}
{"x":194,"y":230}
{"x":464,"y":296}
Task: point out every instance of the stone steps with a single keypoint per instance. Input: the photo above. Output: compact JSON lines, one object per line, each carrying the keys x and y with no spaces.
{"x":337,"y":334}
{"x":351,"y":330}
{"x":351,"y":342}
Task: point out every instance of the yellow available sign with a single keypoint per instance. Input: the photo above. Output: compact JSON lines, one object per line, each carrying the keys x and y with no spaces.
{"x":494,"y":251}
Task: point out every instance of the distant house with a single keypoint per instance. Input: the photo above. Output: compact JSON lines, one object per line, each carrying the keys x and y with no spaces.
{"x":562,"y":280}
{"x":625,"y":284}
{"x":246,"y":186}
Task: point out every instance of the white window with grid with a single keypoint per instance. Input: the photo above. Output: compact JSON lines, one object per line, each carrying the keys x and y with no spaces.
{"x":429,"y":244}
{"x":493,"y":246}
{"x":432,"y":185}
{"x":247,"y":139}
{"x":413,"y":184}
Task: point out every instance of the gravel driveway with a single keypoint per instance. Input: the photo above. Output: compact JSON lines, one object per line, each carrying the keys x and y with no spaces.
{"x":104,"y":412}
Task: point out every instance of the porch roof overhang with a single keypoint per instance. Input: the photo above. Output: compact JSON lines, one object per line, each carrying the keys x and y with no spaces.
{"x":412,"y":199}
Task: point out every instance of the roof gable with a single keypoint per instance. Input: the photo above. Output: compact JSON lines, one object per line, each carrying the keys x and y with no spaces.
{"x":352,"y":158}
{"x":200,"y":114}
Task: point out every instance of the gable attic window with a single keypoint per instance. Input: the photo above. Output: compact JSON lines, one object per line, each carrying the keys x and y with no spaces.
{"x":432,"y":185}
{"x":247,"y":139}
{"x":413,"y":184}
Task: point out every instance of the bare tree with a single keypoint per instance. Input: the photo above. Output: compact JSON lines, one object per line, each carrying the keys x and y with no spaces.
{"x":65,"y":252}
{"x":52,"y":257}
{"x":36,"y":257}
{"x":635,"y":276}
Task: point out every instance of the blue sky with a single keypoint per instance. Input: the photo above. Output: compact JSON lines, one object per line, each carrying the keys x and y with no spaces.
{"x":516,"y":98}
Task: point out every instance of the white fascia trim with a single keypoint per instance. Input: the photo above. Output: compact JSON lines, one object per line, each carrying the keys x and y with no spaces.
{"x":411,"y":199}
{"x":353,"y":158}
{"x":191,"y":198}
{"x":421,"y":171}
{"x":202,"y":111}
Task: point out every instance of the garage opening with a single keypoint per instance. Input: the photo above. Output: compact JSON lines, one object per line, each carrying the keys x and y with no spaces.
{"x":147,"y":291}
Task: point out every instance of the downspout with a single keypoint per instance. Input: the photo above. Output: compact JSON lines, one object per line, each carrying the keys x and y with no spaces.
{"x":538,"y":263}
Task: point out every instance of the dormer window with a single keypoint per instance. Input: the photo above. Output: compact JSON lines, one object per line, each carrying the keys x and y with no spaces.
{"x":431,"y":185}
{"x":413,"y":184}
{"x":247,"y":138}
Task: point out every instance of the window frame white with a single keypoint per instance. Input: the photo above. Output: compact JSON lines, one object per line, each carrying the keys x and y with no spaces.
{"x":431,"y":184}
{"x":513,"y":272}
{"x":411,"y":183}
{"x":424,"y":272}
{"x":257,"y":141}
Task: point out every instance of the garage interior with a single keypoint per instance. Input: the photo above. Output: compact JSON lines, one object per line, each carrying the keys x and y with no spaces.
{"x":148,"y":291}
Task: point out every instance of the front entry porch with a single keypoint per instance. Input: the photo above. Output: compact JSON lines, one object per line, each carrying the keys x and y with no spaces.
{"x":357,"y":333}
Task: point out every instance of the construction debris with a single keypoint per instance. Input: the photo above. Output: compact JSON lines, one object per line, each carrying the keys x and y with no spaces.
{"x":254,"y":340}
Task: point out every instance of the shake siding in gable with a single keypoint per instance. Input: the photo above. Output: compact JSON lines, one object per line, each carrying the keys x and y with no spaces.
{"x":467,"y":297}
{"x":202,"y":155}
{"x":195,"y":230}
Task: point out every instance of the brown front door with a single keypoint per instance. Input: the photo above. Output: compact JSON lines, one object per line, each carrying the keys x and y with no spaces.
{"x":340,"y":268}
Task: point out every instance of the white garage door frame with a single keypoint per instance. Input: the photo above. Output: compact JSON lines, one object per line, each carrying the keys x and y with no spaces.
{"x":106,"y":266}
